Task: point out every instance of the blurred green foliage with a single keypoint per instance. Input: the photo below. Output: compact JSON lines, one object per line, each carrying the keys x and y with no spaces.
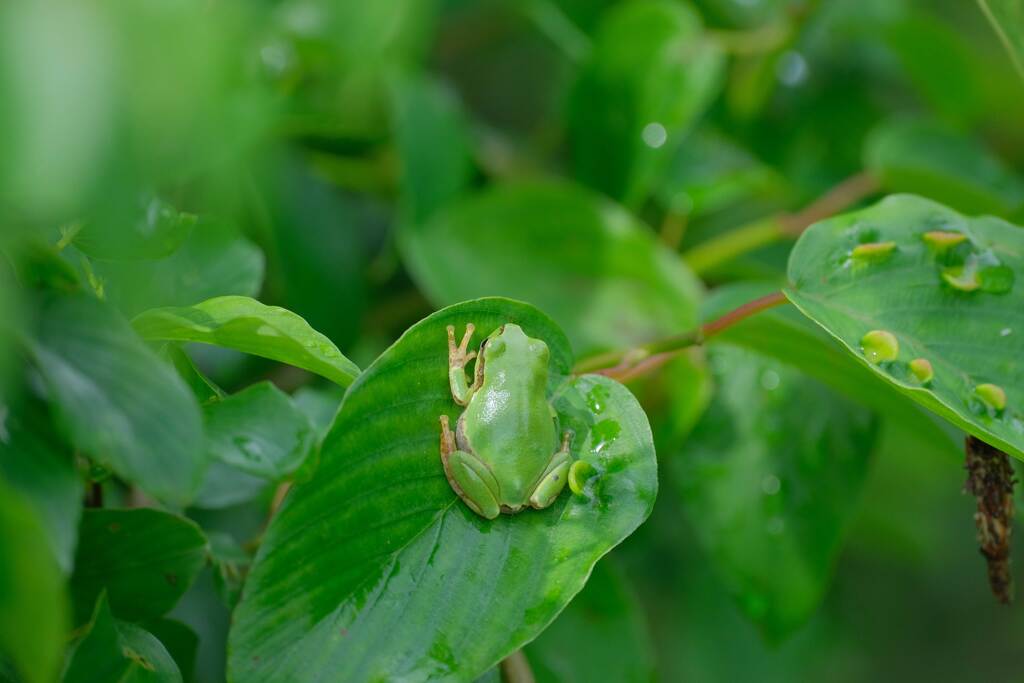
{"x":362,"y":164}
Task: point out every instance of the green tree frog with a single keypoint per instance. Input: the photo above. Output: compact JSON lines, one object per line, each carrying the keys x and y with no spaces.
{"x":504,"y":453}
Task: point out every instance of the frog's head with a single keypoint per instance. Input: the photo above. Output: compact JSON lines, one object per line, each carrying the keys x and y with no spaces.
{"x":510,"y":342}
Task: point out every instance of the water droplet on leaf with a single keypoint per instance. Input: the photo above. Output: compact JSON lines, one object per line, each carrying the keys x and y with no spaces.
{"x":880,"y":346}
{"x":603,"y":433}
{"x":941,"y":240}
{"x":992,"y":395}
{"x":872,"y":252}
{"x":922,"y":369}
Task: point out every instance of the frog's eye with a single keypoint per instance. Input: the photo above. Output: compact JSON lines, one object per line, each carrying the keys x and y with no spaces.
{"x":495,"y":347}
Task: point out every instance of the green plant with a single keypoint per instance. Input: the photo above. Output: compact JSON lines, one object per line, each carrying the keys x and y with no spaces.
{"x":772,"y":248}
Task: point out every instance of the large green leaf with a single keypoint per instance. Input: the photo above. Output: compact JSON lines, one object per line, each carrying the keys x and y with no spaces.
{"x":948,"y":289}
{"x":38,"y":465}
{"x":601,"y":636}
{"x":1007,"y":17}
{"x":651,"y":72}
{"x":144,"y":559}
{"x":771,"y":485}
{"x":939,"y":163}
{"x":116,"y":400}
{"x":244,"y":324}
{"x":595,"y":269}
{"x":375,"y":570}
{"x":112,"y":650}
{"x":33,"y":606}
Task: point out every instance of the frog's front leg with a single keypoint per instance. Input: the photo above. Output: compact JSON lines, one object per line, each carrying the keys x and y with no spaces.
{"x":553,"y":480}
{"x":471,"y":479}
{"x":457,"y":360}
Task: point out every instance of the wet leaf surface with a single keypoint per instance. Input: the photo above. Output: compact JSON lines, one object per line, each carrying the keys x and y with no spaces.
{"x":347,"y":579}
{"x":950,"y":291}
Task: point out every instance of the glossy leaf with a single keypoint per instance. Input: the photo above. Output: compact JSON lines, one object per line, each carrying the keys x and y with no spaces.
{"x":346,"y":582}
{"x":1007,"y":18}
{"x":215,"y":260}
{"x":927,"y":159}
{"x":33,"y":604}
{"x":600,"y":636}
{"x":144,"y":559}
{"x":771,"y":485}
{"x":949,"y":289}
{"x":433,"y":142}
{"x":590,"y":265}
{"x":112,"y":650}
{"x":788,"y":336}
{"x":259,"y":430}
{"x":115,"y":399}
{"x":244,"y":324}
{"x":650,"y":74}
{"x":39,"y":466}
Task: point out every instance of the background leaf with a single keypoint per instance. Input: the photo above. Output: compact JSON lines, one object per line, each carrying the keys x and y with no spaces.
{"x":115,"y":399}
{"x":650,"y":73}
{"x":601,"y":635}
{"x":144,"y":559}
{"x":259,"y":430}
{"x":215,"y":260}
{"x":970,"y":338}
{"x":939,"y":163}
{"x":1007,"y":17}
{"x":771,"y":486}
{"x":118,"y":651}
{"x":585,"y":261}
{"x":39,"y":466}
{"x":403,"y":538}
{"x":244,"y":324}
{"x":33,"y":609}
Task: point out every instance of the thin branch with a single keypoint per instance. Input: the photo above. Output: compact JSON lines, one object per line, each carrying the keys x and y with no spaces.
{"x":849,"y":191}
{"x":625,"y":365}
{"x":516,"y":669}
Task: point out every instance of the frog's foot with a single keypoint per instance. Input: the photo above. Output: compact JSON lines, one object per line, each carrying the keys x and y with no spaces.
{"x":458,"y":357}
{"x":471,"y":479}
{"x":554,"y":478}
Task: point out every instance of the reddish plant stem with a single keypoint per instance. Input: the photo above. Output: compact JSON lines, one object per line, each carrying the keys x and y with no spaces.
{"x":851,"y":190}
{"x":643,"y":359}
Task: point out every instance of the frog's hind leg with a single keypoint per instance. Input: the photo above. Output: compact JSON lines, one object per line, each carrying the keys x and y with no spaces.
{"x":554,"y":478}
{"x":458,"y":357}
{"x":471,"y":479}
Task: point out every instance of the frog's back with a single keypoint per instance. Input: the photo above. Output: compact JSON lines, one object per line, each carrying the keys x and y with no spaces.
{"x":508,"y":423}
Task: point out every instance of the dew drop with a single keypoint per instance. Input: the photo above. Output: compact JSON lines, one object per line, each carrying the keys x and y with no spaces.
{"x":775,"y":526}
{"x":872,"y":252}
{"x":792,"y":68}
{"x":604,"y":433}
{"x":1005,"y":332}
{"x":992,"y":395}
{"x":654,"y":135}
{"x":770,"y":484}
{"x":941,"y":240}
{"x":922,"y":369}
{"x":880,"y":346}
{"x":596,"y":399}
{"x":769,"y":380}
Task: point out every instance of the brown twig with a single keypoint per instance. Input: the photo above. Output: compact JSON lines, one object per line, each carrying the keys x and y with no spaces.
{"x":516,"y":669}
{"x":990,"y":480}
{"x":643,"y":359}
{"x":849,"y":191}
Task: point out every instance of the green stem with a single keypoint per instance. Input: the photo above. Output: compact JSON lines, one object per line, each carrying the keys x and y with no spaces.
{"x":727,"y":246}
{"x":724,"y":248}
